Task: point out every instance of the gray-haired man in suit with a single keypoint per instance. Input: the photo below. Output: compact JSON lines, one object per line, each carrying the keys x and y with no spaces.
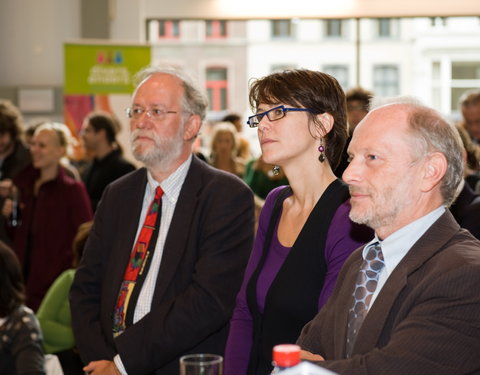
{"x":205,"y":233}
{"x":418,"y":312}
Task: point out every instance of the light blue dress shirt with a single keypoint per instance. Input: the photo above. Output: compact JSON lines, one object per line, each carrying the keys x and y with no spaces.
{"x":398,"y":244}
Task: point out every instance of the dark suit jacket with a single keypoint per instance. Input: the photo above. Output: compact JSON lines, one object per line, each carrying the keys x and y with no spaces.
{"x":466,"y":210}
{"x":206,"y":251}
{"x":425,"y":320}
{"x":100,"y":172}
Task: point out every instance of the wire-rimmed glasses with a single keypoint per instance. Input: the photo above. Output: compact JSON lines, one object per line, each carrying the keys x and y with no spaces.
{"x":274,"y":114}
{"x":156,"y":114}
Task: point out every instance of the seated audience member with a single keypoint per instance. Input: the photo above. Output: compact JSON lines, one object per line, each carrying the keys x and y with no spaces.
{"x":99,"y":133}
{"x":243,"y":147}
{"x":54,"y":312}
{"x":261,"y":179}
{"x":408,"y":302}
{"x":358,"y":103}
{"x":466,"y":206}
{"x":20,"y":336}
{"x":169,"y":244}
{"x":304,"y":233}
{"x":224,"y":150}
{"x":53,"y":205}
{"x":469,"y":104}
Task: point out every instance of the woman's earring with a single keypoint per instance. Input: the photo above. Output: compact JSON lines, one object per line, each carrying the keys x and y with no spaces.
{"x":276,"y":170}
{"x":321,"y":149}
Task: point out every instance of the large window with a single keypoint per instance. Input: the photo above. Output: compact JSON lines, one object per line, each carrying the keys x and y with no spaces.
{"x":282,"y":29}
{"x":385,"y":80}
{"x":216,"y":29}
{"x":385,"y":28}
{"x":340,"y":72}
{"x":158,"y":29}
{"x":217,"y":87}
{"x":465,"y":76}
{"x":168,"y":29}
{"x":334,"y":28}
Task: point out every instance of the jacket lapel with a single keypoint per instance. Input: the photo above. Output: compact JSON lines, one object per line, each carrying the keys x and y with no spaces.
{"x":427,"y":246}
{"x":344,"y":302}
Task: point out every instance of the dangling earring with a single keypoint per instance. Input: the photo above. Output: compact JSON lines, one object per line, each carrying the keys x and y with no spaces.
{"x":276,"y":170}
{"x":321,"y":149}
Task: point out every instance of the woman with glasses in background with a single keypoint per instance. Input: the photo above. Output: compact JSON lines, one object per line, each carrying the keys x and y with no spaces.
{"x":304,"y":234}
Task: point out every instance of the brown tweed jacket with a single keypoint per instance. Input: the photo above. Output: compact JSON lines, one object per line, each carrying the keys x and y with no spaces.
{"x":425,"y":320}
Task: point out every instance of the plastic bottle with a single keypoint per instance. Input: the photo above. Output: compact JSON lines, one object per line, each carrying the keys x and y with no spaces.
{"x":285,"y":356}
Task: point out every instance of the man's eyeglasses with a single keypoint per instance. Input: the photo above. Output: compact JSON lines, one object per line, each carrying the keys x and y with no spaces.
{"x":155,"y":114}
{"x":274,"y":114}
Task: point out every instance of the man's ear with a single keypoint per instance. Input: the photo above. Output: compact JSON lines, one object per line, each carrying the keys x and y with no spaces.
{"x":326,"y":119}
{"x":192,"y":127}
{"x":435,"y":168}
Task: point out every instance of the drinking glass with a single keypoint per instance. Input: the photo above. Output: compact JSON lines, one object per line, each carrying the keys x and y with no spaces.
{"x":201,"y":364}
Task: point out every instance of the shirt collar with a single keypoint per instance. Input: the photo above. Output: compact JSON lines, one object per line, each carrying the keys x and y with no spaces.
{"x":172,"y":185}
{"x":397,"y":245}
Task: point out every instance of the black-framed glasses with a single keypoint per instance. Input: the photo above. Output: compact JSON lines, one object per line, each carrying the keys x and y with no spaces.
{"x":156,"y":114}
{"x":274,"y":114}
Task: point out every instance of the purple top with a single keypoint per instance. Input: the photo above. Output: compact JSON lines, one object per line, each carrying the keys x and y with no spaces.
{"x":339,"y":245}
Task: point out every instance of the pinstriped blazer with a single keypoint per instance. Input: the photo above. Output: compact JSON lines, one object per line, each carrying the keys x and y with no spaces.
{"x":425,"y":320}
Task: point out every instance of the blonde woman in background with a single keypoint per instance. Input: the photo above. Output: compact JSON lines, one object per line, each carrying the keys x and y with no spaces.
{"x":224,"y":149}
{"x":52,"y":205}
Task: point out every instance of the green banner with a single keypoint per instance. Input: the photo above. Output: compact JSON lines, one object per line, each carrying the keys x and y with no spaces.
{"x":103,"y":69}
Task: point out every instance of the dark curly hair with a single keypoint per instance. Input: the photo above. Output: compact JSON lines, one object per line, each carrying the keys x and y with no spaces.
{"x":11,"y":120}
{"x":104,"y":121}
{"x":12,"y":290}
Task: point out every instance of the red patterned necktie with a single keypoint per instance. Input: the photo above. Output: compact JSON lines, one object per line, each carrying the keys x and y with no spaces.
{"x":138,"y":260}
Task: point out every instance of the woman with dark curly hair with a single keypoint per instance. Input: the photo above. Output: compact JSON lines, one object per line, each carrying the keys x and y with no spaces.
{"x":21,"y":344}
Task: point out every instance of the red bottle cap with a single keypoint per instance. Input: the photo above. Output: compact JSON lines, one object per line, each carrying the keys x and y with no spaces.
{"x":286,"y":355}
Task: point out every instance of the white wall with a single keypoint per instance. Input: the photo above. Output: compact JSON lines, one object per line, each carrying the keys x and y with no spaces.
{"x":32,"y":33}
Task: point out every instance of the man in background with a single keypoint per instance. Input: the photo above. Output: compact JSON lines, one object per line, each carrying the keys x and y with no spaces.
{"x":408,"y":302}
{"x":99,"y":135}
{"x":358,"y":103}
{"x":469,"y":104}
{"x":167,"y":251}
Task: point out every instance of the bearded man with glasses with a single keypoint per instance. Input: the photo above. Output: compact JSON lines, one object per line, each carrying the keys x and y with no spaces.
{"x":168,"y":246}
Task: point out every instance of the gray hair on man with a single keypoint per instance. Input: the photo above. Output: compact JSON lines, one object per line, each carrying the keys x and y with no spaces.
{"x":194,"y":100}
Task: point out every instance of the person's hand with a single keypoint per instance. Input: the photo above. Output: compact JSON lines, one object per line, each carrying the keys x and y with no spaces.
{"x":7,"y":207}
{"x":6,"y":188}
{"x":305,"y":355}
{"x":102,"y":368}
